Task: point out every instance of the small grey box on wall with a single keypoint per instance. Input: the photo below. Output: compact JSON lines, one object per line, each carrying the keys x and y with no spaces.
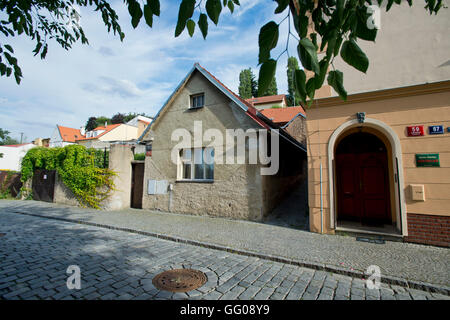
{"x":157,"y":186}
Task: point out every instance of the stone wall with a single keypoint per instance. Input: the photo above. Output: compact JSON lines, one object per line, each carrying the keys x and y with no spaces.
{"x":62,"y":194}
{"x":120,"y":158}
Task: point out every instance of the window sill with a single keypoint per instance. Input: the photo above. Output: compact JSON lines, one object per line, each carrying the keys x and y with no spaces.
{"x":195,"y":181}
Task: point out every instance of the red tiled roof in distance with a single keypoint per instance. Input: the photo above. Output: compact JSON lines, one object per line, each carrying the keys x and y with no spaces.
{"x":69,"y":134}
{"x":282,"y":115}
{"x":266,"y":99}
{"x":107,"y":129}
{"x":15,"y":145}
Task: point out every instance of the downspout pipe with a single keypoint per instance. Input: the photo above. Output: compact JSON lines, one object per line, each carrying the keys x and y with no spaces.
{"x":321,"y":200}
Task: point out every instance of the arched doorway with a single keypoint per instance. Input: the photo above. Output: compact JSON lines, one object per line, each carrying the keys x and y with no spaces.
{"x":362,"y":180}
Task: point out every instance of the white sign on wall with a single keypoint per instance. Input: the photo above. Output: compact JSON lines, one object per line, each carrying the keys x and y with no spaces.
{"x":157,"y":186}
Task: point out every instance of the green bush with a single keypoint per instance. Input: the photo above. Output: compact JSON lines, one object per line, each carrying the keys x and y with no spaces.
{"x":81,"y":170}
{"x":139,"y":156}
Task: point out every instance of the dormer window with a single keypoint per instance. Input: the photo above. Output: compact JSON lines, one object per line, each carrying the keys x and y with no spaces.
{"x":197,"y":101}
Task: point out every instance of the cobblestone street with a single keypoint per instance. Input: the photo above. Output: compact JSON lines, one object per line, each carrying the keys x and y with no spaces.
{"x":36,"y":252}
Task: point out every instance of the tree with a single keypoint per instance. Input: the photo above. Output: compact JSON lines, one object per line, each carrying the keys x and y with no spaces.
{"x":102,"y":120}
{"x":272,"y":89}
{"x":247,"y":84}
{"x":5,"y":139}
{"x":118,"y":118}
{"x":91,"y":124}
{"x":335,"y":25}
{"x":292,"y":96}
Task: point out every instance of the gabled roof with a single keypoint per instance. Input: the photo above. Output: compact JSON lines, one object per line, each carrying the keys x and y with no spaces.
{"x":266,"y":99}
{"x":69,"y":134}
{"x":107,"y":129}
{"x":244,"y":105}
{"x":283,"y":115}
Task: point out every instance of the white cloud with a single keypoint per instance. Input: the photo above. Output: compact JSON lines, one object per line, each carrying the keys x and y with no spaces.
{"x":136,"y":75}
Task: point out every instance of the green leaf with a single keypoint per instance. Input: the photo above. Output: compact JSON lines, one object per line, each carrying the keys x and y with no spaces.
{"x":266,"y":74}
{"x":231,"y":6}
{"x":213,"y":9}
{"x":9,"y":48}
{"x":336,"y":81}
{"x":303,"y":22}
{"x":320,"y":78}
{"x":268,"y":38}
{"x":186,"y":11}
{"x":191,"y":27}
{"x":308,"y":55}
{"x":300,"y":84}
{"x":2,"y":69}
{"x":154,"y":5}
{"x":362,"y":31}
{"x":44,"y":51}
{"x":17,"y":78}
{"x":203,"y":24}
{"x":148,"y":15}
{"x":136,"y":13}
{"x":282,"y":4}
{"x":310,"y":88}
{"x":354,"y":56}
{"x":389,"y":5}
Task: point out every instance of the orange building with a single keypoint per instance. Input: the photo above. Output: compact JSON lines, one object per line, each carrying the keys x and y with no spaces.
{"x":379,"y":163}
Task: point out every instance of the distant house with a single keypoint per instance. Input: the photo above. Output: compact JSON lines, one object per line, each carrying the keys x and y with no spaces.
{"x":102,"y":137}
{"x":42,"y":142}
{"x":266,"y":102}
{"x":292,"y":119}
{"x":141,"y":123}
{"x":63,"y":136}
{"x":12,"y":155}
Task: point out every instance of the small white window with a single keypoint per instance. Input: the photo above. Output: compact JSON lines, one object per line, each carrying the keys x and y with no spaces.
{"x":197,"y":164}
{"x":197,"y":101}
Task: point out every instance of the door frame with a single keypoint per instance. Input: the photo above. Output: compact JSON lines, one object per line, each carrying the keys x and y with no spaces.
{"x":397,"y":165}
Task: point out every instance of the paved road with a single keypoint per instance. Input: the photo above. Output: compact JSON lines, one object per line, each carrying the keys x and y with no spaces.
{"x":35,"y":253}
{"x":413,"y":262}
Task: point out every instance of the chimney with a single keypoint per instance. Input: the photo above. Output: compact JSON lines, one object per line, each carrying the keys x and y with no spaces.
{"x":82,"y":131}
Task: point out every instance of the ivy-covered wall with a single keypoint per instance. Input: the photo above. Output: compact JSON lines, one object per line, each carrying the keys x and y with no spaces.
{"x":83,"y":171}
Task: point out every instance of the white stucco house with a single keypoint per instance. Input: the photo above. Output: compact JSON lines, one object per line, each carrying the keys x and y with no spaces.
{"x":12,"y":155}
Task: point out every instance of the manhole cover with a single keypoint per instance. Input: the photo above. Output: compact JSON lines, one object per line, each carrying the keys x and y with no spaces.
{"x":179,"y":280}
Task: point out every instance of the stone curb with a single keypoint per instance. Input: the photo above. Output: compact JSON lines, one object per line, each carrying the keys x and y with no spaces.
{"x":301,"y":263}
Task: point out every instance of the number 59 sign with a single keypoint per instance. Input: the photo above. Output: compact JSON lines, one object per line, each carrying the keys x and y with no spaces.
{"x":414,"y":131}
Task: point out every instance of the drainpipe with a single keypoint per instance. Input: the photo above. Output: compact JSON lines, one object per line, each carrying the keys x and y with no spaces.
{"x":321,"y":200}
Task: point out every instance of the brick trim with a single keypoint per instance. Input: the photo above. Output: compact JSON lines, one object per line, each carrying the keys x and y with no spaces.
{"x":429,"y":229}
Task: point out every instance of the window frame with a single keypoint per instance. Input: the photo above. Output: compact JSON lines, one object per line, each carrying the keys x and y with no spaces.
{"x":183,"y":161}
{"x":194,"y":97}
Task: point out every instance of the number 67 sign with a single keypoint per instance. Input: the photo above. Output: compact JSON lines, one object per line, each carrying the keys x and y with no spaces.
{"x":414,"y":131}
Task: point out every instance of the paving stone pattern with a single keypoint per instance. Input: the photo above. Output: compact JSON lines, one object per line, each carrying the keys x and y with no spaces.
{"x":36,"y":252}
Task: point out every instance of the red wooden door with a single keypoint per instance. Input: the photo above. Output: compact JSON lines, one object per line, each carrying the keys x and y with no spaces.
{"x":363,"y":187}
{"x":374,"y":187}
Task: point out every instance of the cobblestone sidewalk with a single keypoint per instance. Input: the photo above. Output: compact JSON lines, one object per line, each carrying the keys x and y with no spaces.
{"x":419,"y":264}
{"x":36,"y":252}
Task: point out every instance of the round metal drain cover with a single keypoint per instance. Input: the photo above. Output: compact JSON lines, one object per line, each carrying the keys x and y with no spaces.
{"x":179,"y":280}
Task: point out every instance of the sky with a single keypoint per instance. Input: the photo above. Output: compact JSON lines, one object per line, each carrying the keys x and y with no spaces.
{"x":137,"y":75}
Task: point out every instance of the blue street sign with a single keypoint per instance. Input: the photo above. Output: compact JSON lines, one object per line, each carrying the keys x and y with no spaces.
{"x":435,"y":129}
